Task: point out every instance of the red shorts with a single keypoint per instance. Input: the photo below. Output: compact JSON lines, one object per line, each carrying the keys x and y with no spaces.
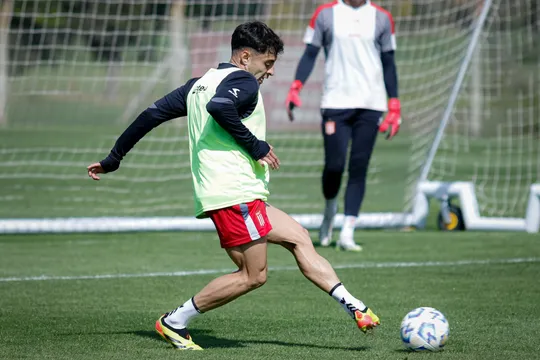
{"x":240,"y":224}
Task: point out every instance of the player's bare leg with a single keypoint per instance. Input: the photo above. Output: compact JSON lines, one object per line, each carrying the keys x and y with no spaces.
{"x":291,"y":235}
{"x":251,"y":274}
{"x":252,"y":269}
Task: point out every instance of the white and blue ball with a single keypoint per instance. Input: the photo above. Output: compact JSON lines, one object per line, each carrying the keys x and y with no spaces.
{"x":424,"y":329}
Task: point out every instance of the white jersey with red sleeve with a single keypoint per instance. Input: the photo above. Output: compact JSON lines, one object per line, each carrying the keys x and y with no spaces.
{"x":352,"y":39}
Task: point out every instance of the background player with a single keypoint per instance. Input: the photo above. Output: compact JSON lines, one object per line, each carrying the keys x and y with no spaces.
{"x":229,"y":160}
{"x":358,"y":38}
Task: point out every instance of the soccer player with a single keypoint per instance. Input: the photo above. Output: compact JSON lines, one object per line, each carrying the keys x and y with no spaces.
{"x":230,"y":162}
{"x":360,"y":73}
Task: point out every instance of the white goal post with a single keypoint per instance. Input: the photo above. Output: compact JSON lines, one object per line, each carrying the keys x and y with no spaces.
{"x":74,"y":74}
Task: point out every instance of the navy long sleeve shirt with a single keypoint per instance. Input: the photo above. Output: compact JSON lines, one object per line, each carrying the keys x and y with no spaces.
{"x":227,"y":107}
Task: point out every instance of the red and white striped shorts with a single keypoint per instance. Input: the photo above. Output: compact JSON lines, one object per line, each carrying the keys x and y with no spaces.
{"x":240,"y":224}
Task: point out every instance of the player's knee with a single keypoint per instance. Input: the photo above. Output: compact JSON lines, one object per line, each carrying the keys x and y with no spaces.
{"x":358,"y":167}
{"x":257,"y":280}
{"x":359,"y":161}
{"x":334,"y":169}
{"x":304,"y":240}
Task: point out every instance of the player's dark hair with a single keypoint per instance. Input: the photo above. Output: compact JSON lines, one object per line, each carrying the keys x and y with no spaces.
{"x":257,"y":36}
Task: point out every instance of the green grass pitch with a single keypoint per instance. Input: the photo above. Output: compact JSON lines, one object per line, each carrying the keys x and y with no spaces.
{"x":492,"y":305}
{"x":77,"y":311}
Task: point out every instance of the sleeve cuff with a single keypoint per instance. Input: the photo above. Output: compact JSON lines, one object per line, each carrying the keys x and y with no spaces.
{"x":110,"y":163}
{"x":261,"y":150}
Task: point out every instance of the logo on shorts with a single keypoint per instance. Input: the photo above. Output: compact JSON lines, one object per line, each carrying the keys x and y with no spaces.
{"x":330,"y":127}
{"x":260,"y":218}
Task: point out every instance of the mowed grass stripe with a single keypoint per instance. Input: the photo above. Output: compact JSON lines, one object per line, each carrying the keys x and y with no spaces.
{"x":369,"y":265}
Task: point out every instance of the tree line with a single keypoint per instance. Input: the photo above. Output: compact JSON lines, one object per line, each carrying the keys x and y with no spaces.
{"x":44,"y":30}
{"x":40,"y":30}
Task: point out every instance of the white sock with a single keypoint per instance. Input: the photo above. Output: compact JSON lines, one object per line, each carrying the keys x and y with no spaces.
{"x":331,"y":207}
{"x":349,"y":303}
{"x":181,"y":316}
{"x":347,"y":231}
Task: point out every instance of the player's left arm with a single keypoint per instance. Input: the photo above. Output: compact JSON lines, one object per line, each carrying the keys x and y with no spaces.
{"x":387,"y":43}
{"x":236,"y":96}
{"x":171,"y":106}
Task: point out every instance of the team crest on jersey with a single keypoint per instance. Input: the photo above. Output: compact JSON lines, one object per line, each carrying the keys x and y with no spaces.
{"x":199,"y":88}
{"x":330,"y":127}
{"x":260,"y":218}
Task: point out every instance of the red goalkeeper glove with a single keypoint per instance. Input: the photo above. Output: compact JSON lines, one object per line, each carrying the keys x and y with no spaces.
{"x":392,"y":121}
{"x":293,"y":98}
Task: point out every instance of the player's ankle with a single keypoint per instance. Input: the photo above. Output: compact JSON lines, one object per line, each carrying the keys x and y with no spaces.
{"x":181,"y":316}
{"x":348,"y":302}
{"x":331,"y":207}
{"x":173,"y":324}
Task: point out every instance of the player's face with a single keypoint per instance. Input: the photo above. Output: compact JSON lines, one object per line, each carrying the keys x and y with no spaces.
{"x":261,"y":65}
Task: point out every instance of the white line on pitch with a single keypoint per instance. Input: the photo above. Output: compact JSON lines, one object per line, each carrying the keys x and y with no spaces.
{"x":387,"y":265}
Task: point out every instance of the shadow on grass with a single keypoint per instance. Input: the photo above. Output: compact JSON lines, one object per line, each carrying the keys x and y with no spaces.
{"x":208,"y":341}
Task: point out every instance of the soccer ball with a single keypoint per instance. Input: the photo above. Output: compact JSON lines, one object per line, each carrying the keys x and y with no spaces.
{"x":424,"y":328}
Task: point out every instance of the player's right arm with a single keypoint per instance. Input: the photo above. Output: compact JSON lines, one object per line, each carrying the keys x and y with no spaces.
{"x":236,"y":97}
{"x":171,"y":106}
{"x":313,"y":39}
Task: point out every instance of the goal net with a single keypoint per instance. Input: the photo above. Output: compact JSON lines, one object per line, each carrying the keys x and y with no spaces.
{"x":493,"y":139}
{"x":74,"y":74}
